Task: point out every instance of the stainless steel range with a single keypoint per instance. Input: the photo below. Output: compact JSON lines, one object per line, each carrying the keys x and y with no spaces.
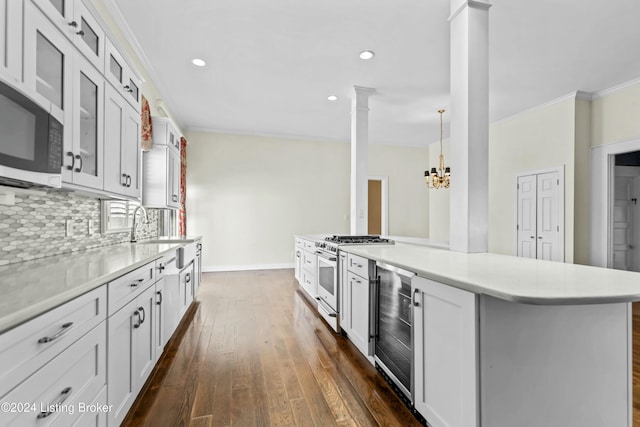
{"x":327,"y":272}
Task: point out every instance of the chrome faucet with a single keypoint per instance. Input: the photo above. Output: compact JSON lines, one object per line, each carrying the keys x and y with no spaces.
{"x":145,"y":220}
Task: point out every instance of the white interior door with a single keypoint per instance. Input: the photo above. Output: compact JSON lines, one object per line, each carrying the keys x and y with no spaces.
{"x":539,"y":215}
{"x":622,"y":221}
{"x":526,"y":228}
{"x":548,"y":226}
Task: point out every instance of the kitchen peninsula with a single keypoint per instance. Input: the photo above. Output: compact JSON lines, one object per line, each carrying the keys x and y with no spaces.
{"x":503,"y":341}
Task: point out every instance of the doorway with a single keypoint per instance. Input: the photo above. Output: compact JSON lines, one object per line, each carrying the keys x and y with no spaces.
{"x":377,"y":222}
{"x":540,"y":215}
{"x":625,"y":221}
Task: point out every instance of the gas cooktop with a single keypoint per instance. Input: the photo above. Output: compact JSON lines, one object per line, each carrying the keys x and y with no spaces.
{"x":358,"y":240}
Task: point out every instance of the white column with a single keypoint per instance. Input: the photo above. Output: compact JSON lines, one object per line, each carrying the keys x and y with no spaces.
{"x":469,"y":23}
{"x":360,"y":159}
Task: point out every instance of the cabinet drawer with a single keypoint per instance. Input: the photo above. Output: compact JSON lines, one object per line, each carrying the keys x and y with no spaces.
{"x":127,"y":287}
{"x":299,"y":243}
{"x":28,"y":347}
{"x":75,"y":375}
{"x":309,"y":246}
{"x":309,"y":262}
{"x":358,"y":265}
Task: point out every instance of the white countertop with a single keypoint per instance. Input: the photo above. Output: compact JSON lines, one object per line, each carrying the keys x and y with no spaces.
{"x":510,"y":278}
{"x":31,"y":288}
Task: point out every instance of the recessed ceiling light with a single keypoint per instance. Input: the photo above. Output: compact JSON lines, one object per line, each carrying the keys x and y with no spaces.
{"x":199,"y":62}
{"x":367,"y":54}
{"x":332,"y":98}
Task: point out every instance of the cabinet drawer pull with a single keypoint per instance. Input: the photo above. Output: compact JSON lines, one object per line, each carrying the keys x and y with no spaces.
{"x":160,"y":267}
{"x":128,"y":180}
{"x":80,"y":33}
{"x":124,"y":184}
{"x":174,"y":198}
{"x":65,"y":328}
{"x":415,"y":301}
{"x":73,"y":161}
{"x":144,"y":315}
{"x":64,"y":395}
{"x":187,"y":278}
{"x":134,"y":284}
{"x":159,"y":302}
{"x":73,"y":24}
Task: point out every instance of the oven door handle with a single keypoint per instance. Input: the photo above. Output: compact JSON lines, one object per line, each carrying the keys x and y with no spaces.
{"x":324,"y":256}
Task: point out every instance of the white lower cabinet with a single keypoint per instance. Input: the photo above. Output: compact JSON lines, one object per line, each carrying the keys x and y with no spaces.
{"x":186,"y":288}
{"x":131,"y":355}
{"x":445,"y":354}
{"x":357,"y":316}
{"x":73,"y":377}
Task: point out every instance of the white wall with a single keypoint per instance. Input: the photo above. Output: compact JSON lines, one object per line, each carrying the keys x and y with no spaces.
{"x":408,"y":196}
{"x":249,"y":195}
{"x":616,"y":116}
{"x":539,"y":139}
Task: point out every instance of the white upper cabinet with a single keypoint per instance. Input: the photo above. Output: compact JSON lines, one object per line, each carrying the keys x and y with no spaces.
{"x":165,"y":133}
{"x":48,"y":69}
{"x":11,"y":40}
{"x":120,"y":75}
{"x":86,"y":167}
{"x":122,"y":155}
{"x":75,"y":21}
{"x":161,"y":178}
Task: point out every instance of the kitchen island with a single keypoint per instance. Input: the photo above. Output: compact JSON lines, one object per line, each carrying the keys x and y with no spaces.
{"x":501,"y":341}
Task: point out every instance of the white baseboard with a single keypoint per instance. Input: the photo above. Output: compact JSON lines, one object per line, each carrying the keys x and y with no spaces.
{"x":211,"y":269}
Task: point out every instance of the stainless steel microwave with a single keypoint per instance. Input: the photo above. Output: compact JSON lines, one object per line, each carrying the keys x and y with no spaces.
{"x":30,"y":141}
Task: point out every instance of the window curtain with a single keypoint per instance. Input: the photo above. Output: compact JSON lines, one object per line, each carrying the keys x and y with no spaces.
{"x":182,"y":213}
{"x":145,"y":118}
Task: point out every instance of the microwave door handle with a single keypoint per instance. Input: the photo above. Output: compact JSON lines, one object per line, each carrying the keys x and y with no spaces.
{"x":73,"y":160}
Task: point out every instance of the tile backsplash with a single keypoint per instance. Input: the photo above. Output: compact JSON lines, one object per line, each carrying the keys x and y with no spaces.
{"x":35,"y":226}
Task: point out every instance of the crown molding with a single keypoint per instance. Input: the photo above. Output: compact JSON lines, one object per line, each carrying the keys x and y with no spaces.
{"x":572,"y":95}
{"x":121,"y":22}
{"x":475,"y":4}
{"x":614,"y":89}
{"x":277,"y":135}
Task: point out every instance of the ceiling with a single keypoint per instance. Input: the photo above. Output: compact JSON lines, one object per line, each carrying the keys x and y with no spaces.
{"x":272,"y":64}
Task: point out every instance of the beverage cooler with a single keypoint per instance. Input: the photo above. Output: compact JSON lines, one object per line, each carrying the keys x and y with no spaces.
{"x":393,"y":333}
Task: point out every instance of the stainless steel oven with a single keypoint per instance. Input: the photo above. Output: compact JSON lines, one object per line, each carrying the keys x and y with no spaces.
{"x":327,"y":278}
{"x":30,"y":141}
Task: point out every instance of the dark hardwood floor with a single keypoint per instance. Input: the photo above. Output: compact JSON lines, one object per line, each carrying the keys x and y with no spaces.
{"x":251,"y":352}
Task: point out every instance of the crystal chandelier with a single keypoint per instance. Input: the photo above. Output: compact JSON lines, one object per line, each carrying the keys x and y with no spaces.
{"x":440,"y":178}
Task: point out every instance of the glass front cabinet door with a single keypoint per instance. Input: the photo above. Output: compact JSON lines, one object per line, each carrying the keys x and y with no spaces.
{"x":48,"y":67}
